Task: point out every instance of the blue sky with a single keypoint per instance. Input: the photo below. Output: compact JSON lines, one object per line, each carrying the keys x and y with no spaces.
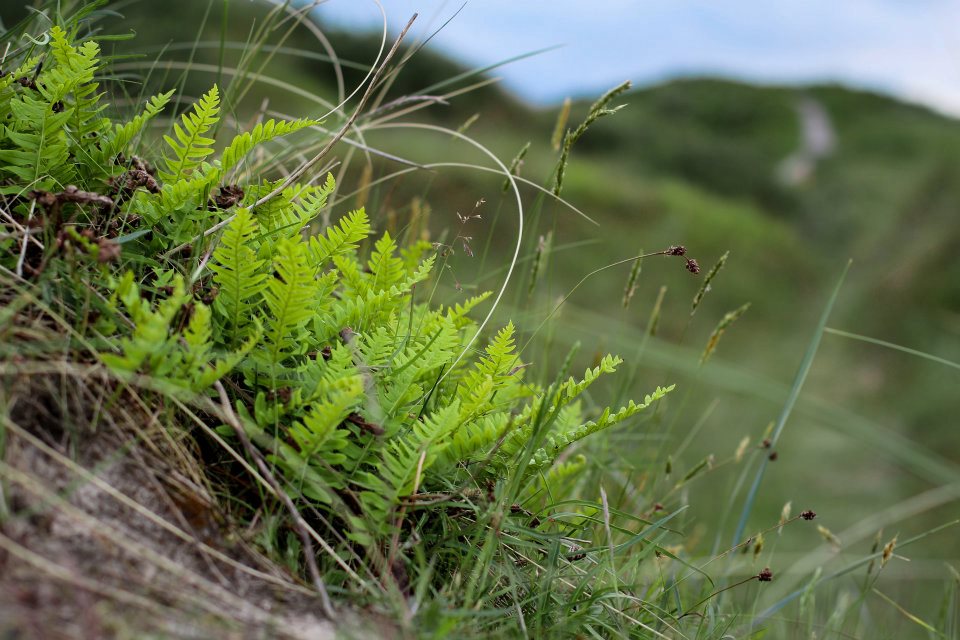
{"x":910,"y":48}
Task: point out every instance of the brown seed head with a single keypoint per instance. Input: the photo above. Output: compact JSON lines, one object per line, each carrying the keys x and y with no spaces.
{"x":766,"y":575}
{"x":808,"y":515}
{"x":692,"y":266}
{"x":677,"y":250}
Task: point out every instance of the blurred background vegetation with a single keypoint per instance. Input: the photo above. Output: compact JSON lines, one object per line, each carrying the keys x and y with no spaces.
{"x":792,"y":181}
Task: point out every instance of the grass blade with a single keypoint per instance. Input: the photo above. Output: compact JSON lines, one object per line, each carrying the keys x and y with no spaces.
{"x":891,"y":345}
{"x":798,"y":381}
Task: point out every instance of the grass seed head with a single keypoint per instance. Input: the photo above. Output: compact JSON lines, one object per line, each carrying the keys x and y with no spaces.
{"x":828,"y":536}
{"x":784,"y":516}
{"x":888,"y":551}
{"x":758,"y":546}
{"x":741,"y":449}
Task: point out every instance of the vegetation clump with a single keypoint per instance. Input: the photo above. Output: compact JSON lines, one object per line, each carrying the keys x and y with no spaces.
{"x":360,"y":398}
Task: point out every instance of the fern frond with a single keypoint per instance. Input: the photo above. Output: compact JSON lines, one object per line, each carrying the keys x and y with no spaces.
{"x":340,"y":239}
{"x":309,"y":203}
{"x":558,"y":442}
{"x":566,"y":393}
{"x":73,"y":71}
{"x":402,"y":462}
{"x":150,"y":344}
{"x":190,"y":145}
{"x":200,"y":369}
{"x":238,"y":273}
{"x":122,"y":135}
{"x":387,"y":269}
{"x":244,"y":143}
{"x":475,"y":440}
{"x":320,"y":434}
{"x":290,"y":297}
{"x":361,"y":311}
{"x":458,"y":312}
{"x":490,"y":375}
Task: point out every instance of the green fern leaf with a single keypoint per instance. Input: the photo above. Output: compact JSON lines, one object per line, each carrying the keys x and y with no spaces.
{"x":474,"y":440}
{"x":386,"y":269}
{"x":238,"y":274}
{"x":291,"y":298}
{"x":491,"y":375}
{"x":558,"y":442}
{"x":123,"y":134}
{"x":244,"y":143}
{"x":190,"y":145}
{"x":340,"y":239}
{"x":149,"y":347}
{"x":320,"y":433}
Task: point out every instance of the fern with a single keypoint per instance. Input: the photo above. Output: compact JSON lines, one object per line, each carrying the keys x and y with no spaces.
{"x":565,"y":393}
{"x":74,"y":73}
{"x":157,"y":348}
{"x":490,"y":375}
{"x":189,"y":145}
{"x":200,"y":368}
{"x":387,"y":269}
{"x":37,"y":147}
{"x":290,"y":298}
{"x":458,"y":313}
{"x":366,"y":310}
{"x":149,"y":347}
{"x":238,"y":274}
{"x":321,"y":441}
{"x":559,"y":442}
{"x":402,"y":463}
{"x":261,"y":133}
{"x":340,"y":239}
{"x":122,"y":135}
{"x":473,"y":441}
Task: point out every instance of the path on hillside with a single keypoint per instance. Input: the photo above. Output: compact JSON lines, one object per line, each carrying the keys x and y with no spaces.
{"x":818,"y":140}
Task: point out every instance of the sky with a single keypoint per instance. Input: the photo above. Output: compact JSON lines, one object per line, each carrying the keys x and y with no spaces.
{"x":908,"y":48}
